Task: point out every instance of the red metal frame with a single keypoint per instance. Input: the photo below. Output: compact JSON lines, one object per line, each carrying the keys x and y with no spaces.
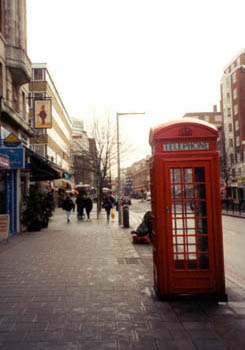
{"x":187,"y":229}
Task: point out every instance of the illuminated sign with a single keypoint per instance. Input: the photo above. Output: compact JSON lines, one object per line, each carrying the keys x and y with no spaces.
{"x":186,"y":146}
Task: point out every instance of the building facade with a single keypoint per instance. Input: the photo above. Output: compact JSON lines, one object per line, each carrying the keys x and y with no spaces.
{"x":233,"y":114}
{"x":216,"y":119}
{"x":15,"y":74}
{"x":137,"y":178}
{"x":83,"y":154}
{"x":213,"y":117}
{"x":53,"y":142}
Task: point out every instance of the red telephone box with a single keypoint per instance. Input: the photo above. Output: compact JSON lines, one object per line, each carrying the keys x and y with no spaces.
{"x":186,"y":209}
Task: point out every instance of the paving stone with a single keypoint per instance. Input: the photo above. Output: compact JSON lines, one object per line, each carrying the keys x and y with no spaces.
{"x":86,"y":286}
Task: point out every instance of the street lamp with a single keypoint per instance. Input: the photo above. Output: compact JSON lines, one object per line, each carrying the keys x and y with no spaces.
{"x":118,"y":165}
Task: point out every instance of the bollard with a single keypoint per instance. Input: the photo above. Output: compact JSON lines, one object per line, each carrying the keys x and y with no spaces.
{"x":125,"y":216}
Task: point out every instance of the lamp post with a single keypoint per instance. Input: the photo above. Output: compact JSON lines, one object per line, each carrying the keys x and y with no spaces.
{"x":118,"y":165}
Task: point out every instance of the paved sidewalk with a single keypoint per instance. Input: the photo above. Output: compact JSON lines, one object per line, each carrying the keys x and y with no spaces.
{"x":84,"y":285}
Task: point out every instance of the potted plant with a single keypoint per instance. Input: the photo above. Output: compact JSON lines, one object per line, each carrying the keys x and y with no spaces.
{"x":38,"y":208}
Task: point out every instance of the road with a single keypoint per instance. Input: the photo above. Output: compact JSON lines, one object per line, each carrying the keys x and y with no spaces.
{"x":234,"y":242}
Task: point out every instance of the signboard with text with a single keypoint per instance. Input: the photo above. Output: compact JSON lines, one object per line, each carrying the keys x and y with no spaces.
{"x":15,"y":156}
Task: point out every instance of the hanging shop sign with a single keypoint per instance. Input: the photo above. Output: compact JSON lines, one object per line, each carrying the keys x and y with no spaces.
{"x":43,"y":114}
{"x":16,"y":156}
{"x":4,"y":226}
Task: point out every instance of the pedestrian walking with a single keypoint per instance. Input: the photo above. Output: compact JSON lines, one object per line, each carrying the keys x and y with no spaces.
{"x":88,"y":203}
{"x":68,"y":206}
{"x":108,"y":205}
{"x":80,"y":202}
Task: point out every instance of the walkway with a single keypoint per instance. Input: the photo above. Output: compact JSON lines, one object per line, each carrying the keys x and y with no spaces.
{"x":84,"y":285}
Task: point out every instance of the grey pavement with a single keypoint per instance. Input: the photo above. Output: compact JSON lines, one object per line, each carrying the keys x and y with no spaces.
{"x":84,"y":285}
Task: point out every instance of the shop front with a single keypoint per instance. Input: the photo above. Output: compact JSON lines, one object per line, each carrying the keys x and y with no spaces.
{"x":10,"y":185}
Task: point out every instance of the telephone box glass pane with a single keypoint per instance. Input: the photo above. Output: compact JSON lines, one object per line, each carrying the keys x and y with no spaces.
{"x":176,"y":191}
{"x":200,"y":191}
{"x":189,"y":218}
{"x":200,"y":174}
{"x":188,"y":191}
{"x":203,"y":261}
{"x":175,"y":175}
{"x":201,"y":209}
{"x":187,"y":175}
{"x":202,"y":243}
{"x":188,"y":208}
{"x":202,"y":226}
{"x":176,"y":209}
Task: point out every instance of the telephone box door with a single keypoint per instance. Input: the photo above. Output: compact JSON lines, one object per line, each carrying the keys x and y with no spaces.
{"x":189,"y":225}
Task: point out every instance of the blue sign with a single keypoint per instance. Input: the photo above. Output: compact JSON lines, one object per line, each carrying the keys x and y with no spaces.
{"x":15,"y":155}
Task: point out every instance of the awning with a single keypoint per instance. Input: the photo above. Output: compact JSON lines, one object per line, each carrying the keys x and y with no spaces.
{"x":63,"y":183}
{"x":41,"y":168}
{"x":4,"y":162}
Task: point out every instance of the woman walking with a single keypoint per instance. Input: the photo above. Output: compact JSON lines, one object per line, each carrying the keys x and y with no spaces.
{"x":88,"y":203}
{"x":107,"y":205}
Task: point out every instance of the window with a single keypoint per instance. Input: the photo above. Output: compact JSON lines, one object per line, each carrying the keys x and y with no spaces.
{"x":206,"y":117}
{"x":1,"y":16}
{"x":231,"y":142}
{"x":217,"y":118}
{"x":232,"y":158}
{"x":238,"y":141}
{"x":238,"y":160}
{"x":230,"y":127}
{"x":228,"y":96}
{"x":228,"y":112}
{"x":235,"y":93}
{"x":38,"y":74}
{"x":235,"y":109}
{"x":24,"y":105}
{"x":236,"y":125}
{"x":234,"y":77}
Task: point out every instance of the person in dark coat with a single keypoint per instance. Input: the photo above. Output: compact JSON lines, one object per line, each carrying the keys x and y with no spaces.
{"x":145,"y":227}
{"x":68,"y":206}
{"x":80,"y":202}
{"x":88,"y":203}
{"x":107,"y":205}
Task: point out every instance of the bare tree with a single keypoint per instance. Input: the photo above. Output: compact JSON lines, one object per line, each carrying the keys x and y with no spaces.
{"x":99,"y":160}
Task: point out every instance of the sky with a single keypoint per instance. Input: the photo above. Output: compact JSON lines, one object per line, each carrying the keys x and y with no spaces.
{"x":164,"y":58}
